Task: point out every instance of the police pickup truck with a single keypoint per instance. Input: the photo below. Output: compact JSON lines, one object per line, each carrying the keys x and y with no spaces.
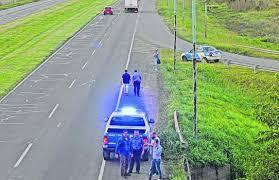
{"x":126,"y":119}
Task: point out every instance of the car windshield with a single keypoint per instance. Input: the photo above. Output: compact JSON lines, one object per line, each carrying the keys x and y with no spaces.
{"x":107,"y":8}
{"x":127,"y":121}
{"x":208,"y":48}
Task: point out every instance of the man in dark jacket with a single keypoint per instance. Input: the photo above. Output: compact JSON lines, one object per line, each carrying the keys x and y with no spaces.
{"x":137,"y":149}
{"x":126,"y":78}
{"x":123,"y":149}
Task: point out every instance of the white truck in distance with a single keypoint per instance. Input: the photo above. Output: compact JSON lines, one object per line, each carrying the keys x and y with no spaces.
{"x":131,"y":5}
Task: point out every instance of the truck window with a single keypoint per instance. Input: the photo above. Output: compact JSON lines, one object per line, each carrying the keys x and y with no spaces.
{"x":127,"y":121}
{"x":120,"y":131}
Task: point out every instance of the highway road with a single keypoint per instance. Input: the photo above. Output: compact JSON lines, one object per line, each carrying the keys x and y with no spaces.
{"x":14,"y":13}
{"x":51,"y":125}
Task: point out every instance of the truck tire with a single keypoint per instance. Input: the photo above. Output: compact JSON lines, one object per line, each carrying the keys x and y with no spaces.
{"x":106,"y":155}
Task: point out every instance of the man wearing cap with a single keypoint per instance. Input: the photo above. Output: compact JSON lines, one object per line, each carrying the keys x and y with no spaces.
{"x":123,"y":149}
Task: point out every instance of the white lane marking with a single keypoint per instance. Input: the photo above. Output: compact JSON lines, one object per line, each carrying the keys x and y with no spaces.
{"x":11,"y":123}
{"x":119,"y":97}
{"x":84,"y":65}
{"x":100,"y":177}
{"x":66,"y":43}
{"x":53,"y":111}
{"x":23,"y":155}
{"x":2,"y":141}
{"x":59,"y":124}
{"x":71,"y":85}
{"x":93,"y":52}
{"x":132,"y":43}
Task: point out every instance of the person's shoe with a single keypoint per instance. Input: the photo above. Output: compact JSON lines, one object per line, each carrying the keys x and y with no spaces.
{"x":138,"y":172}
{"x":128,"y":174}
{"x":149,"y":178}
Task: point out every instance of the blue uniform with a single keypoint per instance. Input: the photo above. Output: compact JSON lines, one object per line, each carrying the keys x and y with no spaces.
{"x":137,"y":145}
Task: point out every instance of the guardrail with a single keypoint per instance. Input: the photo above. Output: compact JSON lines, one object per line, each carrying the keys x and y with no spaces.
{"x":255,"y":67}
{"x":183,"y":143}
{"x":268,"y":51}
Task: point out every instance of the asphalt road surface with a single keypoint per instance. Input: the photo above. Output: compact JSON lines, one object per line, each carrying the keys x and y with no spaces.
{"x":51,"y":125}
{"x":14,"y":13}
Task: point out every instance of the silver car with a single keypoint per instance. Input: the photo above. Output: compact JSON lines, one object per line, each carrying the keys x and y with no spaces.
{"x":209,"y":53}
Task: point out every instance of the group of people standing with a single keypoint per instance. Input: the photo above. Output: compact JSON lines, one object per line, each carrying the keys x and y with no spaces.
{"x":136,"y":77}
{"x":126,"y":80}
{"x":130,"y":151}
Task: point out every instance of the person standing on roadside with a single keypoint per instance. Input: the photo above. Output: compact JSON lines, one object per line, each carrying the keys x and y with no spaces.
{"x":126,"y":78}
{"x":124,"y":150}
{"x":156,"y":59}
{"x":137,"y":81}
{"x":156,"y":159}
{"x":137,"y":149}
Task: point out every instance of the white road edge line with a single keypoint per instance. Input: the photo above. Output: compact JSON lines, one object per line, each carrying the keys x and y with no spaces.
{"x":53,"y":111}
{"x":84,"y":65}
{"x":100,"y":177}
{"x":66,"y":43}
{"x":71,"y":85}
{"x":23,"y":155}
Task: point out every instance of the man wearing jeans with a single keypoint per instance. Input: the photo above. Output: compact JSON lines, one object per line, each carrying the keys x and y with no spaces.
{"x":126,"y":78}
{"x":156,"y":159}
{"x":123,"y":149}
{"x":137,"y":81}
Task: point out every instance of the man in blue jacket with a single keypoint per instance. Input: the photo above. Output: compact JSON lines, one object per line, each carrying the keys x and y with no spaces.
{"x":124,"y":150}
{"x":126,"y":78}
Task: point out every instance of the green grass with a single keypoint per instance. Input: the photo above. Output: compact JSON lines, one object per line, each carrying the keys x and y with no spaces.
{"x":233,"y":106}
{"x":227,"y":30}
{"x":27,"y":42}
{"x":16,"y":3}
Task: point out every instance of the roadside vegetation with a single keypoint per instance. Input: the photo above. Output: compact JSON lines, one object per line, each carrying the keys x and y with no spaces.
{"x":238,"y":112}
{"x":6,"y":4}
{"x":27,"y":42}
{"x":242,"y":27}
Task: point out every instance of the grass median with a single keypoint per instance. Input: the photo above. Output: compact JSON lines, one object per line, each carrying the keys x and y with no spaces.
{"x":237,"y":118}
{"x":250,"y":33}
{"x":27,"y":42}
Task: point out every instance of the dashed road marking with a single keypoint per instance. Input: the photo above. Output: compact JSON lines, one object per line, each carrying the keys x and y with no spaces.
{"x":71,"y":85}
{"x":23,"y":155}
{"x":84,"y":65}
{"x":53,"y":111}
{"x":59,"y":124}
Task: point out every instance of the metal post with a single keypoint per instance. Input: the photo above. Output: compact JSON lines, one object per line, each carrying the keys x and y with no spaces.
{"x":194,"y":69}
{"x":174,"y":45}
{"x":205,"y":22}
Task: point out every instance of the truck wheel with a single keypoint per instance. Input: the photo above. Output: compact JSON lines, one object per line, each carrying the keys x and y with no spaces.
{"x":106,"y":155}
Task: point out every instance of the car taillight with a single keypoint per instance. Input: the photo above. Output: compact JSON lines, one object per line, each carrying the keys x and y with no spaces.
{"x":105,"y":139}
